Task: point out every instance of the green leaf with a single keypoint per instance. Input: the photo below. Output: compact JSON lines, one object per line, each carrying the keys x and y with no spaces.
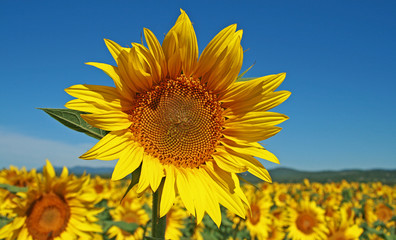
{"x":13,"y":189}
{"x":72,"y":119}
{"x":135,"y":179}
{"x":129,"y":227}
{"x":4,"y":221}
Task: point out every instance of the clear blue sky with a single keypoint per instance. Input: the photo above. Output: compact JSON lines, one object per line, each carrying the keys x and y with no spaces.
{"x":340,"y":59}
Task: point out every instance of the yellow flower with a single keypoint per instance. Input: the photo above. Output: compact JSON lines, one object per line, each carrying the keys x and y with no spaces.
{"x":342,"y":228}
{"x":58,"y":208}
{"x":130,"y":211}
{"x":307,"y":222}
{"x":102,"y":186}
{"x":259,"y":220}
{"x":18,"y":177}
{"x":175,"y":222}
{"x":183,"y":118}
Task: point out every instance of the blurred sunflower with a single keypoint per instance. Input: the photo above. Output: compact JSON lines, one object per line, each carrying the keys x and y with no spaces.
{"x":183,"y":118}
{"x":58,"y":208}
{"x":307,"y":222}
{"x":130,"y":211}
{"x":175,"y":221}
{"x":259,"y":220}
{"x":342,"y":228}
{"x":18,"y":177}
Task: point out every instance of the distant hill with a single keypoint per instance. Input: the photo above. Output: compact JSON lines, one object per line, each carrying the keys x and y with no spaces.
{"x":288,"y":175}
{"x":285,"y":175}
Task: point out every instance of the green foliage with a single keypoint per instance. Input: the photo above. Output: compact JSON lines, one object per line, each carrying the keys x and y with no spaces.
{"x":4,"y":221}
{"x":73,"y":120}
{"x":135,"y":179}
{"x":13,"y":189}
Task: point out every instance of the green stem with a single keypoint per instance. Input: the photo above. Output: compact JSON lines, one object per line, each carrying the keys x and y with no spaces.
{"x":158,"y":224}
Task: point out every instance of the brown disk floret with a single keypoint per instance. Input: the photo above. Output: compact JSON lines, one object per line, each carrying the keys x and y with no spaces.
{"x":179,"y":122}
{"x":48,"y":217}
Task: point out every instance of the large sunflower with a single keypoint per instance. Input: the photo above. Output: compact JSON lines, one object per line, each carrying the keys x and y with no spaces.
{"x":58,"y":208}
{"x":183,"y":118}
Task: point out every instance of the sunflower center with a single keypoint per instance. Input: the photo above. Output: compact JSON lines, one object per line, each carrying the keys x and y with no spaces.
{"x":48,"y":217}
{"x":179,"y":122}
{"x":338,"y":236}
{"x":306,"y":222}
{"x":99,"y":188}
{"x":255,"y":217}
{"x":130,"y":217}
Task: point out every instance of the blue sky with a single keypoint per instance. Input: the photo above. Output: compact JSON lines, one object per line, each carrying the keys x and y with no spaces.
{"x":340,"y":59}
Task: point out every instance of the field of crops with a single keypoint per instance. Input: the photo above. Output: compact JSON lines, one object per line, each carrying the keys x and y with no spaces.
{"x":48,"y":206}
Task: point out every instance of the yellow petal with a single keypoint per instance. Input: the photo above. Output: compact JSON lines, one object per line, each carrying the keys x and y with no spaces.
{"x":258,"y":103}
{"x":253,"y":165}
{"x":256,"y":119}
{"x":110,"y":146}
{"x":184,"y":188}
{"x":227,"y":163}
{"x":99,"y":97}
{"x":129,"y":160}
{"x":65,"y":173}
{"x":180,"y":47}
{"x":221,"y":60}
{"x":272,"y":100}
{"x":154,"y":170}
{"x":251,"y":133}
{"x":223,"y":187}
{"x":112,"y":71}
{"x":227,"y":67}
{"x":156,"y":51}
{"x":168,"y":192}
{"x":109,"y":121}
{"x":239,"y":91}
{"x":119,"y":53}
{"x":214,"y":49}
{"x":252,"y":149}
{"x":130,"y":67}
{"x":23,"y":234}
{"x":48,"y":170}
{"x":144,"y":179}
{"x":208,"y":201}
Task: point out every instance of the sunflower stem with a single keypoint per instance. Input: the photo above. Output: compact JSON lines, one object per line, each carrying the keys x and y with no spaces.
{"x":158,"y":224}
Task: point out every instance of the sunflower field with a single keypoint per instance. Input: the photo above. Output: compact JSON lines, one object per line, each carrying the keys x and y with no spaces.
{"x":35,"y":205}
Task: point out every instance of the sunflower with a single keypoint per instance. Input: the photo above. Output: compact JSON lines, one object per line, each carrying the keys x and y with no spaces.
{"x":130,"y":211}
{"x":183,"y":118}
{"x":258,"y":219}
{"x":58,"y":208}
{"x":307,"y":222}
{"x":175,"y":221}
{"x":342,"y":228}
{"x":18,"y":177}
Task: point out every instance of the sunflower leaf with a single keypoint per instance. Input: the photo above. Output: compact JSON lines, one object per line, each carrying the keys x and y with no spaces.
{"x":73,"y":120}
{"x":4,"y":221}
{"x":129,"y":227}
{"x":13,"y":189}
